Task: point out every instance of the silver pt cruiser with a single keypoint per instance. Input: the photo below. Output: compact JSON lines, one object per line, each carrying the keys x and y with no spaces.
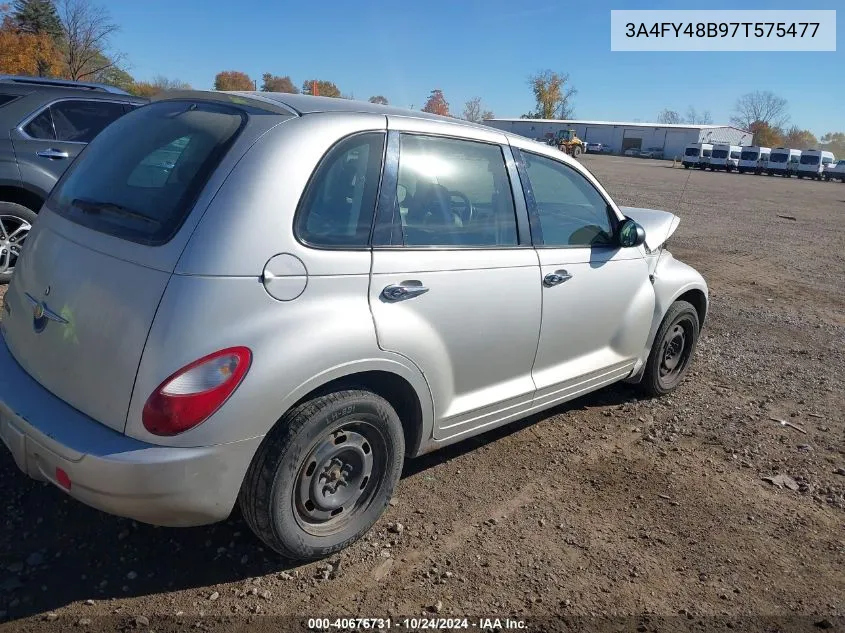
{"x":272,"y":300}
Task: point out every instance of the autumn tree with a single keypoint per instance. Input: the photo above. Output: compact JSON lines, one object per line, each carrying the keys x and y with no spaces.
{"x":379,"y":100}
{"x":834,"y":142}
{"x":436,"y":103}
{"x":668,"y":116}
{"x":320,"y":87}
{"x":797,"y":138}
{"x":87,"y":30}
{"x":27,"y":53}
{"x":553,"y":95}
{"x":764,"y":135}
{"x":695,"y":118}
{"x":473,"y":111}
{"x":762,"y":106}
{"x":36,"y":18}
{"x":233,"y":80}
{"x":274,"y":83}
{"x":159,"y":84}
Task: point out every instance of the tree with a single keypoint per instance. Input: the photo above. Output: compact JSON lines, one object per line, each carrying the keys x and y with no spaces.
{"x":274,"y":83}
{"x":669,"y":117}
{"x":27,"y":53}
{"x":38,"y":17}
{"x":764,"y":135}
{"x":834,"y":142}
{"x":233,"y":80}
{"x":320,"y":87}
{"x":87,"y":30}
{"x":797,"y":138}
{"x":436,"y":103}
{"x":552,"y":95}
{"x":694,"y":118}
{"x":159,"y":84}
{"x":474,"y":112}
{"x":760,"y":106}
{"x":379,"y":100}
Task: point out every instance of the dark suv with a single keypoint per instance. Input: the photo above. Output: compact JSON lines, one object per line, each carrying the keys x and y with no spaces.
{"x":49,"y":121}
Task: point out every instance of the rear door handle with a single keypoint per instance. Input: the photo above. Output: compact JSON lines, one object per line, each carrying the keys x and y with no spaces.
{"x":555,"y":278}
{"x":405,"y":290}
{"x":52,"y":153}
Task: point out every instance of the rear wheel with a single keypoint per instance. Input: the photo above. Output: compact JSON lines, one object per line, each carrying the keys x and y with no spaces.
{"x":672,"y":350}
{"x":324,"y":475}
{"x":15,"y":223}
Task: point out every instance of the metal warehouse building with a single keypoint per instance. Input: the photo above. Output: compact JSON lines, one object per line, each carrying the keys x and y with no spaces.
{"x":671,"y":138}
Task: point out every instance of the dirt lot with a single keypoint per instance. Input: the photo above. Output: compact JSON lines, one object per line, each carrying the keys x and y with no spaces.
{"x":609,"y":507}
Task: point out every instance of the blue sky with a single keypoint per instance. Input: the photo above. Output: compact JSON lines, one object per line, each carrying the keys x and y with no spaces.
{"x":472,"y":48}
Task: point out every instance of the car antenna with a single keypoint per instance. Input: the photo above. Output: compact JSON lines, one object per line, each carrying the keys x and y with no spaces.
{"x":678,"y":205}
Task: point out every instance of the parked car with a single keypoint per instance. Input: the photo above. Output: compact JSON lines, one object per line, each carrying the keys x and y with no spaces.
{"x":46,"y":123}
{"x":273,"y":299}
{"x":595,"y":148}
{"x":835,"y":171}
{"x":632,"y":151}
{"x":652,"y":152}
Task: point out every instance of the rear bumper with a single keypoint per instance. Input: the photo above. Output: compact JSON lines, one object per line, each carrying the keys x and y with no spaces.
{"x":109,"y":471}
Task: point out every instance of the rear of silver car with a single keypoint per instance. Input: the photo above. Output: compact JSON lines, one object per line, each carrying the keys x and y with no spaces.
{"x":73,"y":336}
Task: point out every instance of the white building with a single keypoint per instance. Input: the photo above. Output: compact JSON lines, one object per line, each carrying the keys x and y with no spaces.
{"x":671,"y":138}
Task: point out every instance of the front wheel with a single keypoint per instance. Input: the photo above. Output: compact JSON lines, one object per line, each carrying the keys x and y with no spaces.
{"x":15,"y":224}
{"x":672,"y":350}
{"x":324,"y":474}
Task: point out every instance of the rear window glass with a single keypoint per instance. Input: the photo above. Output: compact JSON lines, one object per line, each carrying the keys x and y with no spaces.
{"x":809,"y":160}
{"x":692,"y":151}
{"x":140,"y":177}
{"x":750,"y":155}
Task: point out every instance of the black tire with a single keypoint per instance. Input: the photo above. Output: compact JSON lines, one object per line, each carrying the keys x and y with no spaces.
{"x":655,"y":382}
{"x":12,"y":216}
{"x":323,"y":435}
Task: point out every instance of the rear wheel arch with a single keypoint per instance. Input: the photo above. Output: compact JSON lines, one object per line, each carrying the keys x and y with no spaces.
{"x":401,"y":395}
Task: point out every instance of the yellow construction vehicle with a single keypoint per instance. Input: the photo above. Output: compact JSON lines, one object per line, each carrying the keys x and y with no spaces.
{"x":567,"y":141}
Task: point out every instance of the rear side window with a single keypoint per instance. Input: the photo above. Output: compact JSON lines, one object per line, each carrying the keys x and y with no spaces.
{"x":339,"y":203}
{"x":81,"y":121}
{"x":139,"y":179}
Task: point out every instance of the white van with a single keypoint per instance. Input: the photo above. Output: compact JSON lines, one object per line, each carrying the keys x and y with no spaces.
{"x":782,"y":161}
{"x":813,"y":163}
{"x":753,"y":159}
{"x":695,"y":153}
{"x":725,"y":157}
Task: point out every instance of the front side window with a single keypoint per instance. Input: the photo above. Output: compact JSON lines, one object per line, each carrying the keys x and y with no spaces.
{"x":453,"y":193}
{"x":338,"y":207}
{"x":570,"y":210}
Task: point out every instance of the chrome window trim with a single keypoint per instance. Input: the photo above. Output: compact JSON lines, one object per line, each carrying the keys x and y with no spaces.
{"x":20,"y":127}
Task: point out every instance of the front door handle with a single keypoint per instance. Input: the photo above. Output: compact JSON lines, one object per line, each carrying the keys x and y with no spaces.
{"x":405,"y":290}
{"x":52,"y":153}
{"x":555,"y":278}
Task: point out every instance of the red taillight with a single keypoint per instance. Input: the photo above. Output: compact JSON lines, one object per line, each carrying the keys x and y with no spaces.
{"x":189,"y":397}
{"x":62,"y":479}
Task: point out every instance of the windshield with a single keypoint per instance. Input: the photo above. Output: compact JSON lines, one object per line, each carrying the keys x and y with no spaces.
{"x":809,"y":160}
{"x":777,"y":158}
{"x":139,"y":178}
{"x":720,"y":153}
{"x":750,"y":156}
{"x":692,"y":151}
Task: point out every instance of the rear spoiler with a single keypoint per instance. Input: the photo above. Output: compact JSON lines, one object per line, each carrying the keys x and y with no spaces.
{"x":229,"y":98}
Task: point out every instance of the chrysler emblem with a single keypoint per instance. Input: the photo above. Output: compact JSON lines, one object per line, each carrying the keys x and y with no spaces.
{"x":41,"y":314}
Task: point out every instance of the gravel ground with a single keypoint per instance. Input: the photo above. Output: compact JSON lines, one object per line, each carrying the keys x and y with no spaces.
{"x":698,"y":511}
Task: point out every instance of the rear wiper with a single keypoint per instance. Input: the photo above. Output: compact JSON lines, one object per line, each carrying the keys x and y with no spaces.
{"x":96,"y":206}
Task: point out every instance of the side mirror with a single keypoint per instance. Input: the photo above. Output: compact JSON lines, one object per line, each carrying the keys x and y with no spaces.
{"x":630,"y":234}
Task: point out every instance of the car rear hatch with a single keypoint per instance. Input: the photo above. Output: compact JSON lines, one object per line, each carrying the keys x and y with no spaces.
{"x":97,"y":262}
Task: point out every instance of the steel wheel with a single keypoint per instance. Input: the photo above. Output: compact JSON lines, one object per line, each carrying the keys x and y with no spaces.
{"x":675,"y":352}
{"x":338,"y":479}
{"x":13,"y":233}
